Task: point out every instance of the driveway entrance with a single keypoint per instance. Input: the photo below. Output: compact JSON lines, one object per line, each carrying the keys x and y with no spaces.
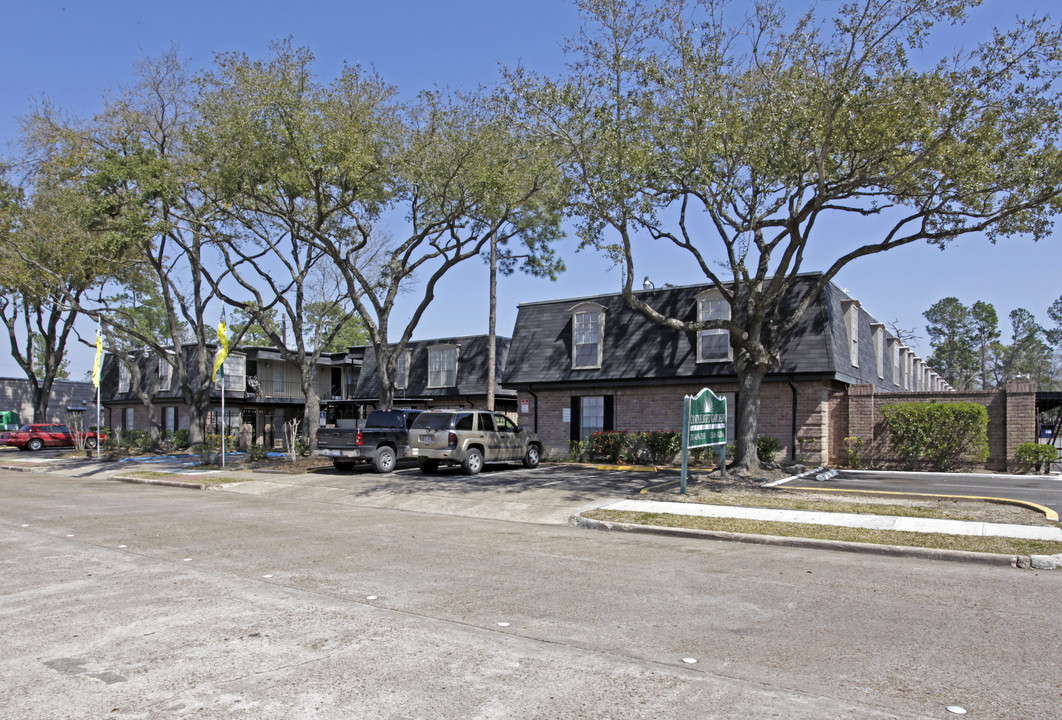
{"x":549,"y":494}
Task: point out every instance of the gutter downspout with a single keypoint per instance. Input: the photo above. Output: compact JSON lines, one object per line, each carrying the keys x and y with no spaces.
{"x":532,"y":394}
{"x":793,"y":415}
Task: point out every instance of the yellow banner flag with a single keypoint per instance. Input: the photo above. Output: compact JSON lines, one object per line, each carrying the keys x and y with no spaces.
{"x":99,"y":360}
{"x":223,"y":348}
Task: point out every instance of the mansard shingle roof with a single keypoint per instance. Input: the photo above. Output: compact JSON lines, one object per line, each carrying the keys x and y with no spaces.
{"x":471,"y":368}
{"x":636,"y":348}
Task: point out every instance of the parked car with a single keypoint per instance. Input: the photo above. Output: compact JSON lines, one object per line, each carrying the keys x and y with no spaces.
{"x":470,"y":438}
{"x":42,"y":435}
{"x":383,"y":440}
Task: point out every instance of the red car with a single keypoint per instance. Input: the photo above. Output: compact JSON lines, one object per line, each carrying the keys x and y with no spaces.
{"x":42,"y":435}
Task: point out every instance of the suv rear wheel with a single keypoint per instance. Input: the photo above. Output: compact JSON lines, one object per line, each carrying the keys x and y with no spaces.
{"x":473,"y":462}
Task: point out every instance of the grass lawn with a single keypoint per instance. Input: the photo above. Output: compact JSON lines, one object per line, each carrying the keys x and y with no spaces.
{"x":1005,"y":546}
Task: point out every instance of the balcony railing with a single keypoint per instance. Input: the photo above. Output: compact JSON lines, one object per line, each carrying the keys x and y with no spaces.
{"x":286,"y":390}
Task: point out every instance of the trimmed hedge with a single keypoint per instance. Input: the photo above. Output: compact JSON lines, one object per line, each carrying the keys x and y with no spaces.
{"x":653,"y":446}
{"x":1035,"y":456}
{"x":940,"y":436}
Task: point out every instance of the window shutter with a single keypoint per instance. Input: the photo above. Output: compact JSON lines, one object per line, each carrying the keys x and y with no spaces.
{"x":576,"y":423}
{"x":610,"y":421}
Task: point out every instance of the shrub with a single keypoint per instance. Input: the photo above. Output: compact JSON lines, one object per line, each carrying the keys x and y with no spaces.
{"x":1034,"y":456}
{"x":258,"y":452}
{"x":204,"y":454}
{"x":179,"y":439}
{"x":576,"y":451}
{"x":854,"y":447}
{"x":767,"y":448}
{"x":608,"y":445}
{"x":662,"y":445}
{"x":133,"y":438}
{"x":943,"y":436}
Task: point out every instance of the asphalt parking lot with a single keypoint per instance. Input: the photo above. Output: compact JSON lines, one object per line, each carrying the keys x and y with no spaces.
{"x":549,"y":494}
{"x":1043,"y":490}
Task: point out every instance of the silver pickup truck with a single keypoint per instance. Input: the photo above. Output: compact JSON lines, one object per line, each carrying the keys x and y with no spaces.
{"x":382,"y":440}
{"x":470,"y":438}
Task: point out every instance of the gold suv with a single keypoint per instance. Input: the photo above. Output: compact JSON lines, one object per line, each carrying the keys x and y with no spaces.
{"x":470,"y":438}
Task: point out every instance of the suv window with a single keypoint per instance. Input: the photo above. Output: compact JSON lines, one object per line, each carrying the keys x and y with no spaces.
{"x":433,"y":421}
{"x":504,"y":424}
{"x":486,"y":422}
{"x":464,"y":421}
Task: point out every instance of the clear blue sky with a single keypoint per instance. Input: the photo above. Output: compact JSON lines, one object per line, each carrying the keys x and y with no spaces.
{"x":73,"y":52}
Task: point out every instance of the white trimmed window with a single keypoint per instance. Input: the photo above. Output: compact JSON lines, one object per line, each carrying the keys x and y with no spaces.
{"x":877,"y":331}
{"x":169,"y":419}
{"x":894,"y":352}
{"x":402,"y":371}
{"x":851,"y":326}
{"x":588,"y":325}
{"x":591,"y":415}
{"x":127,"y":419}
{"x":123,"y":377}
{"x":713,"y":345}
{"x":235,"y":367}
{"x":165,"y":374}
{"x":279,"y":385}
{"x":442,"y":366}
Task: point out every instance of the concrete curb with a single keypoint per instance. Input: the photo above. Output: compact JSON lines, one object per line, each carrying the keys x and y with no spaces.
{"x":979,"y":558}
{"x":157,"y":481}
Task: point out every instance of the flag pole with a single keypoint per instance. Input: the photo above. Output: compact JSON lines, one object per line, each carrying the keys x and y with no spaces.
{"x":222,"y":416}
{"x":219,"y":364}
{"x":96,"y":378}
{"x":99,"y":327}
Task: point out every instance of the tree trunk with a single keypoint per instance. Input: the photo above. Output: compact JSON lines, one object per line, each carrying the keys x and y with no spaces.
{"x":40,"y":402}
{"x":196,"y":418}
{"x":311,"y":418}
{"x":385,"y":363}
{"x":750,"y":379}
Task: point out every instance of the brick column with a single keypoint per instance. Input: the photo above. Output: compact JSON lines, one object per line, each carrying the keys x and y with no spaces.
{"x":1021,"y":417}
{"x":861,"y":412}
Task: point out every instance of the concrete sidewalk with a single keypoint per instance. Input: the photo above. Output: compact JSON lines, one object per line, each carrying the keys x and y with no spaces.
{"x":870,"y":522}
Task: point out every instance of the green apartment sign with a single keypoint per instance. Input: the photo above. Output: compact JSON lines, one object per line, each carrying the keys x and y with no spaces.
{"x":706,"y":419}
{"x":704,"y":424}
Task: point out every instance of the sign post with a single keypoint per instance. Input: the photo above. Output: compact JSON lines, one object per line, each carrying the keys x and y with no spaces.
{"x":703,"y":424}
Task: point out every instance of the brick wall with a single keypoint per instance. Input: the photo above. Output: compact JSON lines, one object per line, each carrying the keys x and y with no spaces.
{"x":826,"y":413}
{"x":1011,"y":420}
{"x":637,"y":409}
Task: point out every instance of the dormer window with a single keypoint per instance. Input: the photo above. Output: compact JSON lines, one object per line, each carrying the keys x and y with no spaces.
{"x":165,"y":373}
{"x":894,"y":353}
{"x":442,"y":366}
{"x":402,"y":371}
{"x":588,"y":325}
{"x":851,"y":326}
{"x":877,"y":332}
{"x":123,"y":377}
{"x":713,"y":345}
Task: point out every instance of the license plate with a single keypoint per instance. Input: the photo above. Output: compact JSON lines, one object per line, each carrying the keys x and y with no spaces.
{"x":427,"y":438}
